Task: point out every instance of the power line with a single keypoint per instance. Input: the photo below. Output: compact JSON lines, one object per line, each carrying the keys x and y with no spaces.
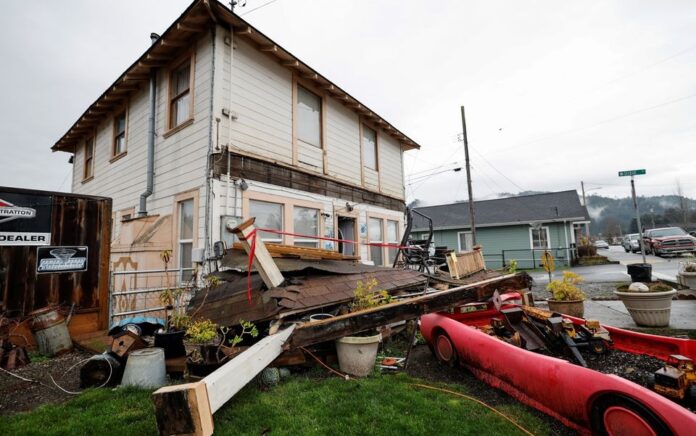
{"x":498,"y":171}
{"x":257,"y":8}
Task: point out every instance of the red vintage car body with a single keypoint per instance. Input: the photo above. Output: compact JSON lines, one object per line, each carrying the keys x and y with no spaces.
{"x":576,"y":396}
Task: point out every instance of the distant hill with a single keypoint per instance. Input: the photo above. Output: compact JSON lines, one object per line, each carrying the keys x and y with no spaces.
{"x":612,"y":216}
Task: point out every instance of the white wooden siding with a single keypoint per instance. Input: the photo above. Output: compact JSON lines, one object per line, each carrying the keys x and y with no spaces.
{"x":342,"y":142}
{"x":390,"y":167}
{"x":180,"y":159}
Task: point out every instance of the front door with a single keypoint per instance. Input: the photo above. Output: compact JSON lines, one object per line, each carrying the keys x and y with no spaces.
{"x":346,"y":231}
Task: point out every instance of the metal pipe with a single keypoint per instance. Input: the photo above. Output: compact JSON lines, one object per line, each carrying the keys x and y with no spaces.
{"x":150,"y":138}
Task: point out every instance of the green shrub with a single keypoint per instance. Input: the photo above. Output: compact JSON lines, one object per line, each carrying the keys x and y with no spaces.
{"x":566,"y":289}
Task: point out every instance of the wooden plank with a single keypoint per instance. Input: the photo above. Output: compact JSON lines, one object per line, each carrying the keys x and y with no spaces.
{"x":263,"y":261}
{"x":278,"y":250}
{"x":340,"y":326}
{"x":229,"y":379}
{"x":188,"y":408}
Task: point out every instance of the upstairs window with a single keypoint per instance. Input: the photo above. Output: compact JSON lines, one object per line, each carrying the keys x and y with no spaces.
{"x":180,"y":95}
{"x":308,"y":117}
{"x":369,"y":143}
{"x":88,"y":171}
{"x":119,"y":146}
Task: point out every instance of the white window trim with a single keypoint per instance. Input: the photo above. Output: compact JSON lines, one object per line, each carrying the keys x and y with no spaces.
{"x":459,"y":240}
{"x":548,"y":237}
{"x":181,"y":241}
{"x":296,"y":239}
{"x":572,"y":227}
{"x":278,"y":239}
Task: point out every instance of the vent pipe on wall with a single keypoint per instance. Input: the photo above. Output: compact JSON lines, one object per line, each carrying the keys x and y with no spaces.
{"x":150,"y":137}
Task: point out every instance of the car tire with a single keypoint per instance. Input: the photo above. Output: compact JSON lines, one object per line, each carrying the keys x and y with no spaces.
{"x":626,"y":250}
{"x":445,"y":351}
{"x":614,"y":414}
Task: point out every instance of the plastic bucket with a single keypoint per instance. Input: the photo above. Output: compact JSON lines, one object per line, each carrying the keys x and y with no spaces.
{"x":172,"y":343}
{"x":357,"y":354}
{"x":640,"y":272}
{"x":50,"y":331}
{"x":145,"y":369}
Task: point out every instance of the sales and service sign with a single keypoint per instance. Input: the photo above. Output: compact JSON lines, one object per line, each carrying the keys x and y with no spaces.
{"x":61,"y":259}
{"x":25,"y":219}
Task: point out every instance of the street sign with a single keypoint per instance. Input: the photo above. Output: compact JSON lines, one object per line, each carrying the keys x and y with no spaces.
{"x":631,"y":173}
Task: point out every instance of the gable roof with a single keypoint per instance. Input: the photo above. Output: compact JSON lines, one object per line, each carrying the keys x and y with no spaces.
{"x":524,"y":209}
{"x":195,"y":20}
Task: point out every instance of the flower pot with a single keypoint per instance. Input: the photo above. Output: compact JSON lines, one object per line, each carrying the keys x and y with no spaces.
{"x":687,"y":279}
{"x":640,"y":272}
{"x":357,"y":354}
{"x":172,"y":343}
{"x":145,"y":369}
{"x":574,"y":308}
{"x":651,"y":309}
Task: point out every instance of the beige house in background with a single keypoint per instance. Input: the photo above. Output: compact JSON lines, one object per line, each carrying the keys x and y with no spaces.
{"x":215,"y":123}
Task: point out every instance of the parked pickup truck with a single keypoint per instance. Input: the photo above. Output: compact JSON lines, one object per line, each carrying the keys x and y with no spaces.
{"x":668,"y":240}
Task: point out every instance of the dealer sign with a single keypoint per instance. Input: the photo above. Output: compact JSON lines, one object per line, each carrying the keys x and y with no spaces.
{"x":61,"y":259}
{"x":25,"y":219}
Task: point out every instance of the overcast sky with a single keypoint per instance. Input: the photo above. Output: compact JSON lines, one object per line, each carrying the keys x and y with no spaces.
{"x":555,"y":91}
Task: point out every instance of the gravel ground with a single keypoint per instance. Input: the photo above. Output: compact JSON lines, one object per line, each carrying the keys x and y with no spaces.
{"x":19,"y":396}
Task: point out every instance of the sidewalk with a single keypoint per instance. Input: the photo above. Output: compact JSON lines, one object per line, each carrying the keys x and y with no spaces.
{"x":613,"y":313}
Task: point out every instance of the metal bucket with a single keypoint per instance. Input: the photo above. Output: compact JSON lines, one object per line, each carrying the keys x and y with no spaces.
{"x":50,"y":331}
{"x":145,"y":369}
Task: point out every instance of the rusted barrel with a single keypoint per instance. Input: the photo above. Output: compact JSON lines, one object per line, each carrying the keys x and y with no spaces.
{"x":50,"y":331}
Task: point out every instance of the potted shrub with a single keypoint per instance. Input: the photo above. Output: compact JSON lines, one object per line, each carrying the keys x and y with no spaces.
{"x":648,"y":304}
{"x":687,"y":275}
{"x":566,"y":296}
{"x":212,"y":346}
{"x":586,"y":248}
{"x":357,"y":353}
{"x":171,"y":339}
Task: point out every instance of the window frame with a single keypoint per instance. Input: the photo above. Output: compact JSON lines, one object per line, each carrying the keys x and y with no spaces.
{"x":301,"y":240}
{"x":321,"y":115}
{"x":115,"y":134}
{"x":190,"y":58}
{"x":277,"y":239}
{"x":396,"y":241}
{"x":372,"y":240}
{"x":364,"y":126}
{"x":88,"y":162}
{"x":548,"y":238}
{"x":296,"y":83}
{"x":180,"y":242}
{"x":461,"y":249}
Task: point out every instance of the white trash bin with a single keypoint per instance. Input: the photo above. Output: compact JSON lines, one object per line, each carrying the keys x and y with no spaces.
{"x":145,"y":369}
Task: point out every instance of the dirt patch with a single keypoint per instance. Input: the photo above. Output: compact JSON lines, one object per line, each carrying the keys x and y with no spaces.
{"x":425,"y":366}
{"x":19,"y":396}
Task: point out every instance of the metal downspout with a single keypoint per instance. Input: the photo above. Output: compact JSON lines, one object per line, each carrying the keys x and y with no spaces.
{"x":208,"y":178}
{"x":150,"y":138}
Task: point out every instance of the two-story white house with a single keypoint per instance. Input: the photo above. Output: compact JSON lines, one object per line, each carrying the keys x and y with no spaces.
{"x":216,"y":123}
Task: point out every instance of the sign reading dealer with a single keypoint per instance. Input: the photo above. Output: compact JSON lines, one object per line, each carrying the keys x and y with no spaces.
{"x":25,"y":219}
{"x":61,"y":259}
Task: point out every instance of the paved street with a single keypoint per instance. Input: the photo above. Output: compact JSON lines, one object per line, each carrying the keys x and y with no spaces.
{"x":663,"y":268}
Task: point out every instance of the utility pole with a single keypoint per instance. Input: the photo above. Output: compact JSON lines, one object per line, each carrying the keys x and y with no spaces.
{"x":468,"y":180}
{"x":584,"y":201}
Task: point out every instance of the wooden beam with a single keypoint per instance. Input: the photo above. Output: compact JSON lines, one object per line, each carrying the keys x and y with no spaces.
{"x":173,"y":43}
{"x":269,"y":48}
{"x":263,"y":262}
{"x":188,"y":408}
{"x":243,"y":31}
{"x":412,"y":308}
{"x":291,"y":64}
{"x":311,"y":76}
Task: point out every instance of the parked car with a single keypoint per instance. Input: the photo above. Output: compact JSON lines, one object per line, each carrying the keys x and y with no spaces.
{"x":631,"y":242}
{"x":668,"y":240}
{"x":600,"y":243}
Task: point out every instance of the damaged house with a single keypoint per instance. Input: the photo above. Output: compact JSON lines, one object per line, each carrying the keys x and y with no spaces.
{"x":216,"y":123}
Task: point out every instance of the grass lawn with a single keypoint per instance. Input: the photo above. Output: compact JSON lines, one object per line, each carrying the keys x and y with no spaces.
{"x":384,"y":405}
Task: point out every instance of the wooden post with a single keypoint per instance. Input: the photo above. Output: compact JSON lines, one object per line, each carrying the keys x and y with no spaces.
{"x":189,"y":408}
{"x":263,"y":261}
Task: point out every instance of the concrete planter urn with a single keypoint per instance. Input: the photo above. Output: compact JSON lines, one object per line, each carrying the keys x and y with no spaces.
{"x":687,"y":275}
{"x":357,"y":354}
{"x":647,"y":308}
{"x":574,"y":308}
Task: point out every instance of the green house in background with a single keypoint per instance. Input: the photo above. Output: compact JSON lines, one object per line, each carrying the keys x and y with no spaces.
{"x":519,"y":228}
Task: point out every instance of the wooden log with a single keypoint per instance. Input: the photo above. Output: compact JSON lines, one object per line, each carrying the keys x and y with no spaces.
{"x":189,"y":408}
{"x":333,"y":328}
{"x":263,"y":261}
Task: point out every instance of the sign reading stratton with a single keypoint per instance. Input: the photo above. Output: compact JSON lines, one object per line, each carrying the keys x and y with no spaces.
{"x":25,"y":219}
